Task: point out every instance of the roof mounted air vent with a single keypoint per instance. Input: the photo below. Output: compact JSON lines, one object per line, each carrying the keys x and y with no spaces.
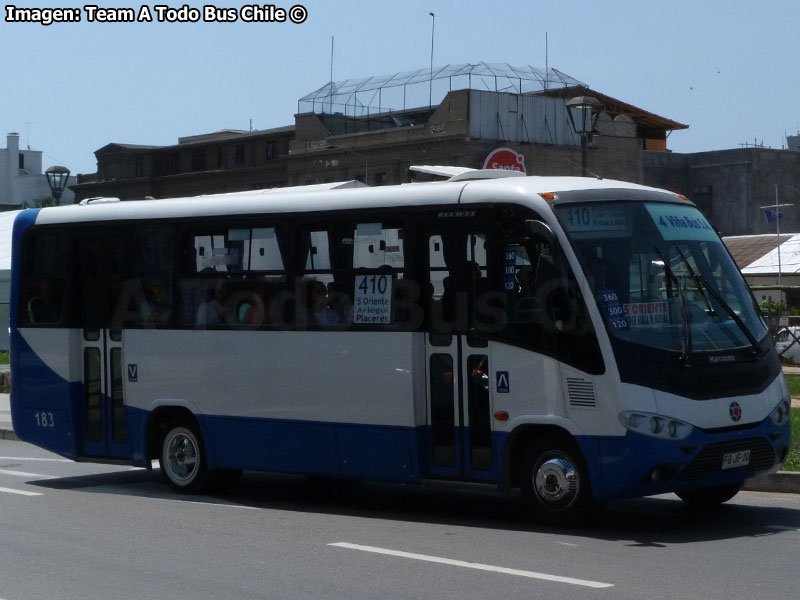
{"x":464,"y":173}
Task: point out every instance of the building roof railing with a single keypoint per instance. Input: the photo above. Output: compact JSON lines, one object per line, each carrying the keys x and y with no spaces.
{"x":397,"y":91}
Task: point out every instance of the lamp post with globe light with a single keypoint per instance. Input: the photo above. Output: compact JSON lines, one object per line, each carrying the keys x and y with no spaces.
{"x":57,"y":179}
{"x":583,"y":112}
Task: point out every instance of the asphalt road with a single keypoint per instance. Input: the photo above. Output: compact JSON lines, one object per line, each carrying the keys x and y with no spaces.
{"x":88,"y":531}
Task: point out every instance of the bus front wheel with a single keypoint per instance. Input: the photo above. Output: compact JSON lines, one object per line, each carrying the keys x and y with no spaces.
{"x":555,"y":482}
{"x":183,"y":458}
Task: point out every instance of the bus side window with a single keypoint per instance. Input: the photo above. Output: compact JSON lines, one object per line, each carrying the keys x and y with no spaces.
{"x":528,"y":282}
{"x":232,"y":276}
{"x":361,"y":265}
{"x":43,"y":301}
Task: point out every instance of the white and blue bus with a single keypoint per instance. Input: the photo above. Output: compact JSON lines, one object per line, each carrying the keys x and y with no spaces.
{"x":579,"y":339}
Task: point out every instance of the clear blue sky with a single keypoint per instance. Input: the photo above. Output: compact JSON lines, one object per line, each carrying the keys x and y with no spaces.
{"x":726,"y":68}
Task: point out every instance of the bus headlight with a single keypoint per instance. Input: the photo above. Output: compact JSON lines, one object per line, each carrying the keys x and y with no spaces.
{"x":783,"y":412}
{"x":655,"y":425}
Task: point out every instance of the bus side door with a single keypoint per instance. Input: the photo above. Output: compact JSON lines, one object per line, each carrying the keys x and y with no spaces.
{"x":459,"y":434}
{"x":100,"y":263}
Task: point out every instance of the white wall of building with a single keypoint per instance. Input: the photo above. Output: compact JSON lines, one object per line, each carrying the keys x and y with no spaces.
{"x":25,"y":186}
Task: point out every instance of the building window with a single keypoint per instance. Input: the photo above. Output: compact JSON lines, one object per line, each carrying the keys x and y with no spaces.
{"x":199,"y":160}
{"x":239,"y":154}
{"x":21,"y":160}
{"x":270,"y":151}
{"x":168,"y":164}
{"x":139,"y":166}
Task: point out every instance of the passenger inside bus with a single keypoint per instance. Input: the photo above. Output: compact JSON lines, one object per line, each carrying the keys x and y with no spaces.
{"x":319,"y":313}
{"x":157,"y":307}
{"x":213,"y":311}
{"x":253,"y":309}
{"x":45,"y":303}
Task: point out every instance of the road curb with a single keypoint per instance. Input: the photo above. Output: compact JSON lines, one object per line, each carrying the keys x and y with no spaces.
{"x":8,"y":434}
{"x":785,"y":482}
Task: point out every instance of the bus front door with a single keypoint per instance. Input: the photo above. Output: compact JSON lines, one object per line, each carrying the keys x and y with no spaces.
{"x":104,"y":431}
{"x":458,"y":377}
{"x":459,"y":407}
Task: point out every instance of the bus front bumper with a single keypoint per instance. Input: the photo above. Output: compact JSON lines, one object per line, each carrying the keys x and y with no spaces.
{"x":641,"y":465}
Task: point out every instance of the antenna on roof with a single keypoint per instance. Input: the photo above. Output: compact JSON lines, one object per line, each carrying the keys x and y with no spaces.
{"x":430,"y":81}
{"x":331,"y":96}
{"x":546,"y":61}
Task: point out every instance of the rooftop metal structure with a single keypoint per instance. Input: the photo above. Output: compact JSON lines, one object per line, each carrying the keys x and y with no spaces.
{"x":425,"y":87}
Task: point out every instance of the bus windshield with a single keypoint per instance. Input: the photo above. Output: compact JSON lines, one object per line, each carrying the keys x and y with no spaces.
{"x":662,"y":277}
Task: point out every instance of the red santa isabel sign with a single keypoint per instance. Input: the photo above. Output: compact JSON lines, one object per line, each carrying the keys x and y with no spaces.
{"x":505,"y":159}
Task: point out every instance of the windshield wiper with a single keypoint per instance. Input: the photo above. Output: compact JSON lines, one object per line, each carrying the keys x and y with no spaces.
{"x":694,"y":276}
{"x":686,"y":313}
{"x":703,"y":284}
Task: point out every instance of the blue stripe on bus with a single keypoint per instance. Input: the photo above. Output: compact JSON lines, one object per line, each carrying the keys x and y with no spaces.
{"x":337,"y":449}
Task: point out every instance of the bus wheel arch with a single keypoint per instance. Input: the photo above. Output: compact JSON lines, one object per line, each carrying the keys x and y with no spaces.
{"x":549,"y":467}
{"x":157,"y":422}
{"x":175,"y":438}
{"x":522,"y":438}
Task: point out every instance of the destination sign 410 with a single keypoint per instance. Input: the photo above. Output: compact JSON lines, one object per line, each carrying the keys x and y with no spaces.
{"x":162,"y":13}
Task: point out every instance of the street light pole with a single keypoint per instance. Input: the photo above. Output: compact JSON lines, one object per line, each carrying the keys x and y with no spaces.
{"x":583,"y":112}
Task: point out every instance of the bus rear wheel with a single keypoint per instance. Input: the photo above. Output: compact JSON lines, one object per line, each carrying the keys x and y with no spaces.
{"x":705,"y":498}
{"x":555,"y":482}
{"x":183,"y":458}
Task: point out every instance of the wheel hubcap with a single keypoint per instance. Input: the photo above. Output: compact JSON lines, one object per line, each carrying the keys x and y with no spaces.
{"x":556,"y":481}
{"x":181,"y":454}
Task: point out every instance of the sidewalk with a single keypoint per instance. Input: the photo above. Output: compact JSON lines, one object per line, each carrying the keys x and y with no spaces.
{"x":6,"y":431}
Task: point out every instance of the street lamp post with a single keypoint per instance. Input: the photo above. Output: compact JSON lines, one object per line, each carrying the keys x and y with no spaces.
{"x":57,"y":178}
{"x":583,"y":112}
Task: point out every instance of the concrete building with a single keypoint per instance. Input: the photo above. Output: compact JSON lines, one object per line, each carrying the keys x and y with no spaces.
{"x":22,"y":182}
{"x":373,"y":130}
{"x":732,"y":186}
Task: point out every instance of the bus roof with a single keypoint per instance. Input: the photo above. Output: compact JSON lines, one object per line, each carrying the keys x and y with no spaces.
{"x":520,"y":190}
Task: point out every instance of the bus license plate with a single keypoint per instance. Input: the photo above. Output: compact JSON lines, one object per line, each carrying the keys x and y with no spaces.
{"x":735,"y":459}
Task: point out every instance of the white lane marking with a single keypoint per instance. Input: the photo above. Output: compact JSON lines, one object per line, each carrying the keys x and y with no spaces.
{"x":216,"y":504}
{"x":19,"y":492}
{"x":471,"y":565}
{"x":36,"y":459}
{"x":568,"y":544}
{"x":24,"y":474}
